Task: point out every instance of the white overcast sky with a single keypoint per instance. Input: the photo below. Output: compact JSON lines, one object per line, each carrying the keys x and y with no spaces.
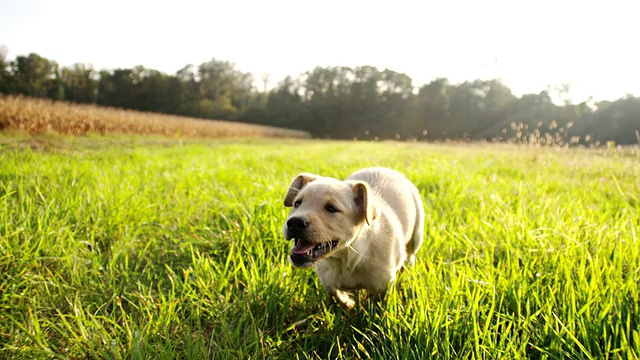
{"x":530,"y":45}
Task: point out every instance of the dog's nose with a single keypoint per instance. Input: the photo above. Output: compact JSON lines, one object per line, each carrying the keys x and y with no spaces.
{"x":297,"y":223}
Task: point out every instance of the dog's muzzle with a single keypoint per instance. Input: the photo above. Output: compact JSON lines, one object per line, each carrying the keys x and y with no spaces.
{"x":297,"y":228}
{"x":304,"y":252}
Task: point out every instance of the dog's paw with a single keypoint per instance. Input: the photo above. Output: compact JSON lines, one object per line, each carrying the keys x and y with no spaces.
{"x":348,"y":304}
{"x":344,"y":299}
{"x":411,"y":260}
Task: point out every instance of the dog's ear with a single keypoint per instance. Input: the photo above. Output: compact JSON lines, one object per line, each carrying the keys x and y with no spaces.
{"x":296,"y":185}
{"x":362,"y":192}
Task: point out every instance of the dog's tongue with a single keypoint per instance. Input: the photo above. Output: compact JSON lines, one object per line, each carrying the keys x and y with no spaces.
{"x":302,"y":247}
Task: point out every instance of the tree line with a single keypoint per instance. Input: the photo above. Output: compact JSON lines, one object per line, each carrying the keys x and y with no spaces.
{"x":334,"y":102}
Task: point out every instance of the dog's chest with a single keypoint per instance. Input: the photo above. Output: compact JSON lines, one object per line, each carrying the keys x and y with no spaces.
{"x":338,"y":275}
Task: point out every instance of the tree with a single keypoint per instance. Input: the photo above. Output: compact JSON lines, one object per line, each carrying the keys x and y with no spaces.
{"x":80,"y":83}
{"x":496,"y":102}
{"x":119,"y":88}
{"x":337,"y":102}
{"x":186,"y":91}
{"x":158,"y":92}
{"x":284,"y":105}
{"x":325,"y":91}
{"x":617,"y":121}
{"x":36,"y":76}
{"x":433,"y":108}
{"x":7,"y":85}
{"x":223,"y":91}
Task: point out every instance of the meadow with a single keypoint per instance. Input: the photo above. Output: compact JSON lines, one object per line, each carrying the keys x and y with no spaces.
{"x":159,"y":248}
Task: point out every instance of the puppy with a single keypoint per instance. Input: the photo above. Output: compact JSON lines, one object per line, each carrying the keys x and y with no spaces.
{"x":358,"y":232}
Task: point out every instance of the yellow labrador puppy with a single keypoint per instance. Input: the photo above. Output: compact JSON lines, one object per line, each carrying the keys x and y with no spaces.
{"x":358,"y":232}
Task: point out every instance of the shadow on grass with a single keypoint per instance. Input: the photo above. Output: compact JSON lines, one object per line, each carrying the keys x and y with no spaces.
{"x":300,"y":321}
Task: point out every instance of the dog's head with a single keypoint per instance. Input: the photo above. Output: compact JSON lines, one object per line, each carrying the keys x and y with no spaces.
{"x":326,"y":216}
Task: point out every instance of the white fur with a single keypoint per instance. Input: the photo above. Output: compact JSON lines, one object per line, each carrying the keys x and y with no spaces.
{"x":379,"y":228}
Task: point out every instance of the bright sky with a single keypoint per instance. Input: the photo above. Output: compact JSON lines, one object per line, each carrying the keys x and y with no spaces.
{"x":530,"y":45}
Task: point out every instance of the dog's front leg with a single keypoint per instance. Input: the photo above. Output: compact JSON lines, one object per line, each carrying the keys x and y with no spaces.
{"x":342,"y":297}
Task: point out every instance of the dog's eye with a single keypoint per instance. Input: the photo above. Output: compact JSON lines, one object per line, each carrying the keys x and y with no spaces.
{"x":330,"y":208}
{"x":297,"y":203}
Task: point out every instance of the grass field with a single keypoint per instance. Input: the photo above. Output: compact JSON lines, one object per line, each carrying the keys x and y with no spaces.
{"x":152,"y":248}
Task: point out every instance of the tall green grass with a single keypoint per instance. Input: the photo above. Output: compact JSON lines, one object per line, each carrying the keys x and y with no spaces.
{"x":147,"y":248}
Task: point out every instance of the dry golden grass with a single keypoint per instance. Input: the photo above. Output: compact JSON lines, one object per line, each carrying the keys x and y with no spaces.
{"x":38,"y":116}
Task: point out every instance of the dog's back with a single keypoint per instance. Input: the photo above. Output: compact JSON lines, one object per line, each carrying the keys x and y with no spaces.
{"x":402,"y":198}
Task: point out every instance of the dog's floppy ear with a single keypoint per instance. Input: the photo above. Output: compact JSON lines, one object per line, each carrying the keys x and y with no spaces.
{"x":362,"y":191}
{"x":296,"y":185}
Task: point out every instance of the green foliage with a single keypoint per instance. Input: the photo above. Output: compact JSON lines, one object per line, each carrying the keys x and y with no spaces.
{"x":7,"y":85}
{"x":118,"y":247}
{"x":36,"y":76}
{"x":344,"y":102}
{"x":80,"y":84}
{"x":620,"y":119}
{"x":336,"y":102}
{"x":366,"y":103}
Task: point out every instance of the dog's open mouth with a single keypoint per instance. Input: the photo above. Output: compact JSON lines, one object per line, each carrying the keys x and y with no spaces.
{"x":305,"y":252}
